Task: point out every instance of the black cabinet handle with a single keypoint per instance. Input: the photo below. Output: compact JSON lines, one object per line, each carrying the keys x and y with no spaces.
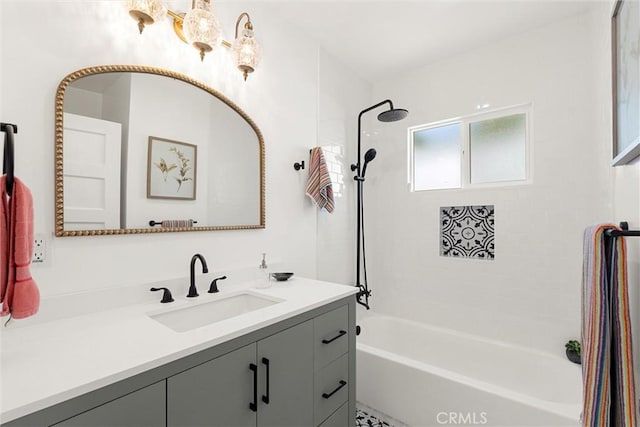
{"x":265,"y":398}
{"x":342,"y":384}
{"x":326,"y":341}
{"x":254,"y":405}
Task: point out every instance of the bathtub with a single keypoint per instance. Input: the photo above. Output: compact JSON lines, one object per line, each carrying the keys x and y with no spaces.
{"x":423,"y":375}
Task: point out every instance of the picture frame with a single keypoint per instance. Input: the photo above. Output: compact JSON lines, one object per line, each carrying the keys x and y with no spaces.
{"x":171,"y":169}
{"x":625,"y":36}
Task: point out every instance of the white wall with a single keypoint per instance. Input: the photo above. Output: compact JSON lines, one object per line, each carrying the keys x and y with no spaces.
{"x":281,"y":96}
{"x":530,"y":293}
{"x":341,"y":97}
{"x":83,"y":102}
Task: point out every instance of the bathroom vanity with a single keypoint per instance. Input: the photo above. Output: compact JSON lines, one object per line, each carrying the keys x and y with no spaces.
{"x":291,"y":363}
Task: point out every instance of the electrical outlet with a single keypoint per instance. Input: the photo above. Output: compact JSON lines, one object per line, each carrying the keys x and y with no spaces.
{"x":39,"y":249}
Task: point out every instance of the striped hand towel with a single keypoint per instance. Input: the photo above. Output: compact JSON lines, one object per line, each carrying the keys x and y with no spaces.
{"x":607,"y":360}
{"x":319,"y":182}
{"x":176,"y":223}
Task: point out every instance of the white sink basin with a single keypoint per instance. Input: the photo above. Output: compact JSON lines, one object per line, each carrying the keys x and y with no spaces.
{"x":187,"y":318}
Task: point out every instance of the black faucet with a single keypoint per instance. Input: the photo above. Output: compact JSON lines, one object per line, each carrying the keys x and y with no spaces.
{"x":192,"y":287}
{"x":213,"y":288}
{"x":166,"y":295}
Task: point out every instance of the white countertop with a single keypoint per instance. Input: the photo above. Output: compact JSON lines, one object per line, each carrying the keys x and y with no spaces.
{"x":49,"y":362}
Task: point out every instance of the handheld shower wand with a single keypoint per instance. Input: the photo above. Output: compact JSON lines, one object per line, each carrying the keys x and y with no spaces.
{"x":368,"y":157}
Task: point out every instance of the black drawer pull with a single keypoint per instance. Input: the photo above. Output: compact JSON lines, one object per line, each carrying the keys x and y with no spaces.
{"x":342,"y":384}
{"x":326,"y":341}
{"x":265,"y":398}
{"x":254,"y":405}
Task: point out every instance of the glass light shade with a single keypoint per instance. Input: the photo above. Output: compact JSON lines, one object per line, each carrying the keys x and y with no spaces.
{"x":246,"y":52}
{"x":201,"y":28}
{"x":146,"y":12}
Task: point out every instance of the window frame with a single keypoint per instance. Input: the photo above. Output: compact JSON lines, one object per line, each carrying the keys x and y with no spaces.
{"x":465,"y":147}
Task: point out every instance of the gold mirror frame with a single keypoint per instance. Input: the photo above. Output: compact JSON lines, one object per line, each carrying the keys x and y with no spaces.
{"x":59,"y":136}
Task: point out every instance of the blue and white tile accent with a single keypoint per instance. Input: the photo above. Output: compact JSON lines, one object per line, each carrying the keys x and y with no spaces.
{"x":467,"y":231}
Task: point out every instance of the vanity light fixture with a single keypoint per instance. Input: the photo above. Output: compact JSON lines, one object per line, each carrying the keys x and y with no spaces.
{"x":201,"y":28}
{"x":246,"y":51}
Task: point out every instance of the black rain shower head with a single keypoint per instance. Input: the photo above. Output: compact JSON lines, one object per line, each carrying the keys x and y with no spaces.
{"x":393,"y":115}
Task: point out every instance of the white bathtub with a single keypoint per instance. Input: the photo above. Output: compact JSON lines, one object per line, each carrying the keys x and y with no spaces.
{"x":428,"y":376}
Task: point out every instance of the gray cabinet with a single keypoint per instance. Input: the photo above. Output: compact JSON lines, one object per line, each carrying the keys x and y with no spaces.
{"x":221,"y":392}
{"x":331,"y":336}
{"x":288,"y":359}
{"x":215,"y":393}
{"x":333,"y":372}
{"x":142,"y":408}
{"x":293,"y":371}
{"x":340,"y":418}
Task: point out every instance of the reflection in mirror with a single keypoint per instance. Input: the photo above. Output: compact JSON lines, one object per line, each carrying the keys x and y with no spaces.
{"x":139,"y":144}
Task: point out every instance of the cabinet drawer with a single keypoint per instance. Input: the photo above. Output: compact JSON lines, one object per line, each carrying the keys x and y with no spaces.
{"x":340,"y":418}
{"x":145,"y":407}
{"x":331,"y":336}
{"x":331,"y":388}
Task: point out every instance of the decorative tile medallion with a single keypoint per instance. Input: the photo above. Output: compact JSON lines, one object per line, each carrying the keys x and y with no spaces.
{"x":467,"y":231}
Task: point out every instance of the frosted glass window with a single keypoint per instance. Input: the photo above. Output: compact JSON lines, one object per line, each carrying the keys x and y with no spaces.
{"x":498,"y":149}
{"x":436,"y":156}
{"x":467,"y":152}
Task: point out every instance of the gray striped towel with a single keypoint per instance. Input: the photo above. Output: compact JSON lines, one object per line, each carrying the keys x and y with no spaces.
{"x":319,"y":186}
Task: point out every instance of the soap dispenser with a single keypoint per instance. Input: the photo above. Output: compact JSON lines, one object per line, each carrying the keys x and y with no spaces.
{"x":263,"y":277}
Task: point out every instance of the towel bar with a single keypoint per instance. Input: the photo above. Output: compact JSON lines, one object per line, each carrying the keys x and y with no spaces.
{"x":625,"y":232}
{"x":3,"y":127}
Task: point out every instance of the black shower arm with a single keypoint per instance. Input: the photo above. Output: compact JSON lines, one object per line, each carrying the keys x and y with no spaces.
{"x":386,"y":101}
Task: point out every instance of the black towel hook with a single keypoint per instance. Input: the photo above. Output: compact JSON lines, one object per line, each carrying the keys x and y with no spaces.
{"x":8,"y":157}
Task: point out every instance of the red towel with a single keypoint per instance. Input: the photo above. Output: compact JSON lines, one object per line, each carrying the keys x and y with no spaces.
{"x":18,"y":291}
{"x":319,"y":186}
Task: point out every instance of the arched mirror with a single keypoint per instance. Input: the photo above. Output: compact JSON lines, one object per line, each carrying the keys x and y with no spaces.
{"x":144,"y":150}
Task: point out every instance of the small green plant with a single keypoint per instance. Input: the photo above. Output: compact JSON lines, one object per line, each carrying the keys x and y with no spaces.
{"x":574,"y":346}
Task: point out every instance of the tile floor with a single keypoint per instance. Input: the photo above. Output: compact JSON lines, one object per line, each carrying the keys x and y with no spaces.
{"x":364,"y":419}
